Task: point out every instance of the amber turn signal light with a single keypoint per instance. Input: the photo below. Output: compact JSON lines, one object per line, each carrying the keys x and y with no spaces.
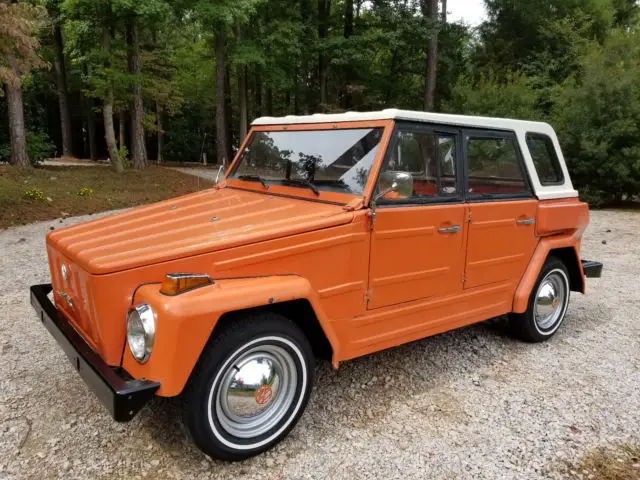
{"x":175,"y":283}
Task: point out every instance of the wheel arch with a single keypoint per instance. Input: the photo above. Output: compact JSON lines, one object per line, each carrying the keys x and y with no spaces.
{"x":563,"y":247}
{"x":299,"y":311}
{"x":569,"y":257}
{"x":187,"y":323}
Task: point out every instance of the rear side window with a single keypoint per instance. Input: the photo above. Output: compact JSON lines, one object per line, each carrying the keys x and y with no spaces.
{"x":545,"y":159}
{"x":493,"y":167}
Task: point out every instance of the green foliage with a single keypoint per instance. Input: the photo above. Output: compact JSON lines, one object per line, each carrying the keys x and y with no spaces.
{"x":34,"y":194}
{"x":123,"y":151}
{"x":598,"y":119}
{"x":512,"y":97}
{"x":85,"y":192}
{"x":39,"y":147}
{"x":571,"y":62}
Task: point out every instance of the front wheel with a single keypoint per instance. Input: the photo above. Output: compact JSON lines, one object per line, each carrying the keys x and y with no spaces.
{"x":250,"y":388}
{"x":547,"y":304}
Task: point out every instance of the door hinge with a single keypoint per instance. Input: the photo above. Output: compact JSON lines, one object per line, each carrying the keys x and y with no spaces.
{"x":464,"y":278}
{"x":372,"y":218}
{"x":367,"y":296}
{"x":469,"y":216}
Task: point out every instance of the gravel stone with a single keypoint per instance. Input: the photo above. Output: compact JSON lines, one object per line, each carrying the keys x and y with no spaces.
{"x":468,"y":404}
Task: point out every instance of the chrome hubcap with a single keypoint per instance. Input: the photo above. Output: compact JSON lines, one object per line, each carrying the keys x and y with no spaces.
{"x":550,"y":300}
{"x":256,"y":391}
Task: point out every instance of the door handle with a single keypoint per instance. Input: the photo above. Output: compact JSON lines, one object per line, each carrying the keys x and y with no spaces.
{"x":451,"y":229}
{"x":525,"y":221}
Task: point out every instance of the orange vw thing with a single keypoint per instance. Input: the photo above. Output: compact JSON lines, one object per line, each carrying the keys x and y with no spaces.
{"x":330,"y":236}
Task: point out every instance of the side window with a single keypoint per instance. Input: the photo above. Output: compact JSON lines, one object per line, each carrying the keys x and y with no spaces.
{"x":430,"y":158}
{"x":545,"y":159}
{"x":493,"y":168}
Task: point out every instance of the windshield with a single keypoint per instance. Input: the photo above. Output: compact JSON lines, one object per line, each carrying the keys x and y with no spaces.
{"x":328,"y":160}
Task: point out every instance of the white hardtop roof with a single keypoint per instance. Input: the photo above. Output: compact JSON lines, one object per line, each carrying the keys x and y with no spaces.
{"x":411,"y":115}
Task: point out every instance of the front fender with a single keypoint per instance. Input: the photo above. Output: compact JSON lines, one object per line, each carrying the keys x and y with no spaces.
{"x":185,"y":322}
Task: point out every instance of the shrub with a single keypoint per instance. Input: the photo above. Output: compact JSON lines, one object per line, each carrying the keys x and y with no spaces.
{"x":85,"y":192}
{"x":39,"y":147}
{"x":34,"y":194}
{"x":123,"y":151}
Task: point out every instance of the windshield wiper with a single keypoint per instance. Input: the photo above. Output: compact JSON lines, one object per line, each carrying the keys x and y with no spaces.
{"x":303,"y":182}
{"x":255,"y":178}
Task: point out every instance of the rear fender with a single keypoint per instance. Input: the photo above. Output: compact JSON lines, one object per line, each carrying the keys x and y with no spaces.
{"x":185,"y":322}
{"x":545,"y":247}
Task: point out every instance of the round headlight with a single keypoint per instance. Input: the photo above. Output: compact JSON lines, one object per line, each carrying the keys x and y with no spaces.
{"x":141,"y":331}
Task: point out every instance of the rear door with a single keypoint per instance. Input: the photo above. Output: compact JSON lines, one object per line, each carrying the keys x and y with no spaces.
{"x":501,"y":236}
{"x":417,"y":243}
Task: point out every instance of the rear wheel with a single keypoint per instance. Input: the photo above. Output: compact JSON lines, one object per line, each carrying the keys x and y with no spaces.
{"x":250,"y":388}
{"x":547,"y":304}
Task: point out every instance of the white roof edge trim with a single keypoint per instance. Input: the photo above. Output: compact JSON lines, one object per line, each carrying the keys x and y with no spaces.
{"x":555,"y":195}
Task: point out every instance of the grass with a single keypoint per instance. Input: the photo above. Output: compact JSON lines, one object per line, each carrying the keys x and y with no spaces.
{"x":612,"y":463}
{"x":61,"y":188}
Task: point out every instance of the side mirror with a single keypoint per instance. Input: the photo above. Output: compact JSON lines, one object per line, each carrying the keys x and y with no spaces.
{"x":398,"y":182}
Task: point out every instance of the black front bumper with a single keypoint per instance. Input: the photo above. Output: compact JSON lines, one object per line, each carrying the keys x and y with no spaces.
{"x":123,"y":397}
{"x":591,"y":269}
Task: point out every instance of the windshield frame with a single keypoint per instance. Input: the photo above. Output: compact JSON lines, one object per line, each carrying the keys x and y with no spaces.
{"x":302,"y":191}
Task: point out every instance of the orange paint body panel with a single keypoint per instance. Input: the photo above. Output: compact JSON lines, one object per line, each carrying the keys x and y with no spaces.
{"x":410,"y":259}
{"x":498,"y":247}
{"x":373,"y":279}
{"x":567,"y":215}
{"x":186,"y":326}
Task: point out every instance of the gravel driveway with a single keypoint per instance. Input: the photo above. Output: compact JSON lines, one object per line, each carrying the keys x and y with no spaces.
{"x":467,"y":404}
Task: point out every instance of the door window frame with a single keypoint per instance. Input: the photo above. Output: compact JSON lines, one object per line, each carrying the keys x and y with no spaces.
{"x":469,"y":133}
{"x":419,"y":127}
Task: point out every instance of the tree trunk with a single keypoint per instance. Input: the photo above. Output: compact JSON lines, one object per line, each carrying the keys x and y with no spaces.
{"x":268,"y":96}
{"x":444,"y":11}
{"x":160,"y":132}
{"x":242,"y":91}
{"x":138,"y":147}
{"x":122,"y":129}
{"x":19,"y":155}
{"x":220,"y":47}
{"x":324,"y":8}
{"x":242,"y":101}
{"x":107,"y":110}
{"x":348,"y":71}
{"x":432,"y":56}
{"x":257,"y":103}
{"x":91,"y":128}
{"x":305,"y":92}
{"x":228,"y":112}
{"x":348,"y":18}
{"x":61,"y":87}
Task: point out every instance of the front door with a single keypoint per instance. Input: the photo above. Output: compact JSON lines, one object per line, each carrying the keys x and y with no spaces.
{"x":417,"y":244}
{"x":501,"y":237}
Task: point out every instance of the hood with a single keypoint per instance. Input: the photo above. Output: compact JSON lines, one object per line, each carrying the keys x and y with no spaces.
{"x":197,"y":223}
